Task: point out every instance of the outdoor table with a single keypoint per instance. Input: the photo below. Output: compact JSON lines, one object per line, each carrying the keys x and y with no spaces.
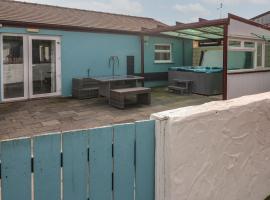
{"x":106,"y":83}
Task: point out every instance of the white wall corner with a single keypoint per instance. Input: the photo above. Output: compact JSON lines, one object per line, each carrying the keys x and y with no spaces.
{"x":160,"y":158}
{"x":218,"y":150}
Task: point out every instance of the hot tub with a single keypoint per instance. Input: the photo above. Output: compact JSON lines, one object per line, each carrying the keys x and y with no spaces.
{"x":206,"y":80}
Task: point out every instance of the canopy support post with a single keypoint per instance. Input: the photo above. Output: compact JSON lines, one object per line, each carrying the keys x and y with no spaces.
{"x":225,"y":62}
{"x":142,"y":57}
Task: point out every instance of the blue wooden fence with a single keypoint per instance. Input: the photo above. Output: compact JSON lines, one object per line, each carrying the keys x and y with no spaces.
{"x":109,"y":163}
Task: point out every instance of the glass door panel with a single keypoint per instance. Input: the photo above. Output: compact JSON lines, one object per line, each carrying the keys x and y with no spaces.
{"x":43,"y":66}
{"x":259,"y":54}
{"x":13,"y":67}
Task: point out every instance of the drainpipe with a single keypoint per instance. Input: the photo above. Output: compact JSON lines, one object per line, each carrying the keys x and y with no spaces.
{"x":225,"y":62}
{"x":183,"y":52}
{"x":142,"y":57}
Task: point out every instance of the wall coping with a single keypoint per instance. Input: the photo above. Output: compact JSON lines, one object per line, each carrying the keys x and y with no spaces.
{"x":183,"y":113}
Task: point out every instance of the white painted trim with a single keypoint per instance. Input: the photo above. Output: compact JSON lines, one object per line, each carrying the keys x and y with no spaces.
{"x":163,"y":51}
{"x":25,"y":59}
{"x":263,"y":55}
{"x":163,"y":61}
{"x":160,"y":156}
{"x":242,"y":43}
{"x":58,"y":65}
{"x":27,"y":71}
{"x":243,"y":48}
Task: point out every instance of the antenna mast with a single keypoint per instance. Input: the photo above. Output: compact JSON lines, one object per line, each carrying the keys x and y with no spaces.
{"x":220,"y":9}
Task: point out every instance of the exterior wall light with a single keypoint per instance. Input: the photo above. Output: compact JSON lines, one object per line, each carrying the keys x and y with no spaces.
{"x":32,"y":30}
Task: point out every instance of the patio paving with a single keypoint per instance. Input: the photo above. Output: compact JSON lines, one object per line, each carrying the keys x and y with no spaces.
{"x":19,"y":119}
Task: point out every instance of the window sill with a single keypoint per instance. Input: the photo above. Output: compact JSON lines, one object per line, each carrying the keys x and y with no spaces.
{"x":163,"y":62}
{"x":245,"y":71}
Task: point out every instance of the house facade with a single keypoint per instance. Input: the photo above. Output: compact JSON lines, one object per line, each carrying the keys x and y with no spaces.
{"x":263,"y":18}
{"x":44,"y":47}
{"x":239,"y":47}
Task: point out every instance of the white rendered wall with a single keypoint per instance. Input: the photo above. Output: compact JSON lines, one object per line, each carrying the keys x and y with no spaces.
{"x":247,"y":84}
{"x":244,"y":30}
{"x":219,"y":150}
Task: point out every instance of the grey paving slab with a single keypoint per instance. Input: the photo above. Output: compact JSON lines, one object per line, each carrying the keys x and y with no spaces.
{"x":19,"y":119}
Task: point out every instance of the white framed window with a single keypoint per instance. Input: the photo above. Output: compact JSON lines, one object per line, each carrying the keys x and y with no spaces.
{"x":260,"y":54}
{"x":267,"y":55}
{"x":246,"y":54}
{"x":163,"y":53}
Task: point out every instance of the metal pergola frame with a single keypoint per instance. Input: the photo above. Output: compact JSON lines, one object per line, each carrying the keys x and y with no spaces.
{"x":202,"y":30}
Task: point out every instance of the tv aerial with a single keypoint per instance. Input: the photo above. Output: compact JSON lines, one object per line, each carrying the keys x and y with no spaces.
{"x":220,"y":9}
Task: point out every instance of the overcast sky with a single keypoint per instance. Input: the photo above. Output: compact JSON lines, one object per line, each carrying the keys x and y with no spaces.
{"x":169,"y":11}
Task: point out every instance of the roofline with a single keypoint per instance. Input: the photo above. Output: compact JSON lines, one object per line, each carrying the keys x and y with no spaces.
{"x":19,"y":24}
{"x":247,"y":21}
{"x":199,"y":24}
{"x":203,"y":23}
{"x":63,"y":27}
{"x":79,"y":9}
{"x":261,"y":15}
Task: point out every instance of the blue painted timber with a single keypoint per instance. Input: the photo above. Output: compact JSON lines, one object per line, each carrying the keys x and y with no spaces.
{"x":124,"y":169}
{"x":100,"y":161}
{"x":16,"y":169}
{"x":75,"y":166}
{"x":108,"y":163}
{"x":47,"y":167}
{"x":145,"y":160}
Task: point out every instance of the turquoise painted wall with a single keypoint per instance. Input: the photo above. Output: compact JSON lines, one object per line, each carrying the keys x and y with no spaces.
{"x":83,"y":50}
{"x":182,"y":51}
{"x":179,"y":57}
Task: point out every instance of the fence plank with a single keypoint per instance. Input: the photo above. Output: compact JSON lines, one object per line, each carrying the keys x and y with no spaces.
{"x":145,"y":160}
{"x":75,"y":166}
{"x":124,"y":170}
{"x":47,"y":167}
{"x":16,"y":169}
{"x":100,"y":155}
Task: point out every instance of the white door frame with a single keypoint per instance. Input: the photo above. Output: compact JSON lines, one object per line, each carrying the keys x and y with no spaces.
{"x":25,"y":63}
{"x":263,"y":54}
{"x":27,"y":56}
{"x":57,"y":62}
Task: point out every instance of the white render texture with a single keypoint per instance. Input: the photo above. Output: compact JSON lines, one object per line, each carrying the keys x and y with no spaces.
{"x":240,"y":29}
{"x":247,"y":84}
{"x":215,"y":151}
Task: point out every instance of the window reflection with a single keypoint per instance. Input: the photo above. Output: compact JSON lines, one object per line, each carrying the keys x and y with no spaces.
{"x":13,"y":73}
{"x":44,"y":66}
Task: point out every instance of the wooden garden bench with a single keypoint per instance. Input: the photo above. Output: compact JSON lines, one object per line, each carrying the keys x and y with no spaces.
{"x":118,"y":96}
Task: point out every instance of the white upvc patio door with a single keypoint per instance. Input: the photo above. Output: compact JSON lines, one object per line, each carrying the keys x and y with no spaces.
{"x":30,"y":66}
{"x":14,"y":67}
{"x":260,"y":55}
{"x":44,"y":66}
